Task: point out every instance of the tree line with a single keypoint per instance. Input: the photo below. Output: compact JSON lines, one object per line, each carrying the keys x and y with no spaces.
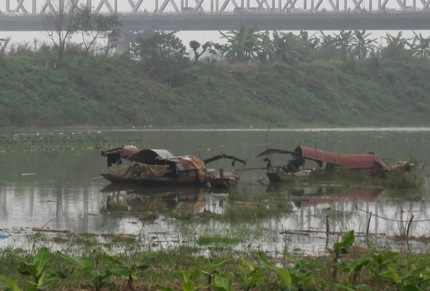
{"x":164,"y":52}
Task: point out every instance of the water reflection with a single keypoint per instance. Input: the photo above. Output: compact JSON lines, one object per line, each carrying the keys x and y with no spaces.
{"x":66,"y":192}
{"x":117,"y":198}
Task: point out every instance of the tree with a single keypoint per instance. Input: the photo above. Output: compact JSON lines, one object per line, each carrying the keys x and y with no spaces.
{"x":3,"y":44}
{"x":242,"y":44}
{"x":344,"y":43}
{"x":420,"y":46}
{"x":309,"y":43}
{"x":59,"y":23}
{"x":195,"y":45}
{"x":93,"y":27}
{"x":160,"y":54}
{"x":327,"y":48}
{"x":265,"y":43}
{"x":396,"y":48}
{"x":362,"y":45}
{"x":288,"y":47}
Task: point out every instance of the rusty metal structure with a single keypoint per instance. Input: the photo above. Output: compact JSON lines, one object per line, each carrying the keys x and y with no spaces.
{"x":219,"y":6}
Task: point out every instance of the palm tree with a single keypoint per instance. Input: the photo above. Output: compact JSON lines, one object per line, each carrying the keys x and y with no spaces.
{"x":420,"y":46}
{"x":344,"y":43}
{"x":309,"y":43}
{"x":361,"y":45}
{"x":242,"y":44}
{"x":397,"y":40}
{"x":288,"y":47}
{"x":327,"y":46}
{"x":396,"y":48}
{"x":266,"y":50}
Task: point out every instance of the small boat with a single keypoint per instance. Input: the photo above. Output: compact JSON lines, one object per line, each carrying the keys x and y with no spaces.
{"x":152,"y":167}
{"x":293,"y":170}
{"x":221,"y":179}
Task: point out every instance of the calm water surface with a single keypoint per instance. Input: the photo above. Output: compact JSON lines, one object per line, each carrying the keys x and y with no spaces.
{"x":61,"y":188}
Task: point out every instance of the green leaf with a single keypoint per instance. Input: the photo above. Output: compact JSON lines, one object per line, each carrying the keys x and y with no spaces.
{"x":48,"y":283}
{"x":248,"y":264}
{"x":189,"y":286}
{"x":223,"y":282}
{"x":346,"y":243}
{"x":186,"y":275}
{"x":13,"y":286}
{"x":283,"y":274}
{"x":78,"y":261}
{"x":42,"y":257}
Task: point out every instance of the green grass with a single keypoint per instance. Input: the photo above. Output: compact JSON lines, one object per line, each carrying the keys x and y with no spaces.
{"x":115,"y":91}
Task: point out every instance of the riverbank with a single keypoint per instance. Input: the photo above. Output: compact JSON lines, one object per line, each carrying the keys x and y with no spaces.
{"x":114,"y":92}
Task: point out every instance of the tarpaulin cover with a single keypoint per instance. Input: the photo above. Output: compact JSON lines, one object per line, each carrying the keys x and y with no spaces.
{"x":350,"y":161}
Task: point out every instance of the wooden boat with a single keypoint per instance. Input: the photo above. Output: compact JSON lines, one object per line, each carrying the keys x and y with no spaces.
{"x":159,"y":167}
{"x":294,"y":169}
{"x":153,"y":167}
{"x":221,"y":179}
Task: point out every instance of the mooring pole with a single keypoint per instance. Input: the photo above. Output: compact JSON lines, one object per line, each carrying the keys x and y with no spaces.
{"x":327,"y":227}
{"x":327,"y":231}
{"x":408,"y":227}
{"x":368,"y":224}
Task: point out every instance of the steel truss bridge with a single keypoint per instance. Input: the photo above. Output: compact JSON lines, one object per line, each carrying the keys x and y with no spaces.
{"x":26,"y":15}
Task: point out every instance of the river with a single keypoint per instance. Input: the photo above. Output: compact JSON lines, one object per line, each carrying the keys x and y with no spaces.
{"x":50,"y":179}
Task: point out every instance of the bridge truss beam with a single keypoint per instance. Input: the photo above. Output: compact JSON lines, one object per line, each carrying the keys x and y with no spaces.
{"x":217,"y":6}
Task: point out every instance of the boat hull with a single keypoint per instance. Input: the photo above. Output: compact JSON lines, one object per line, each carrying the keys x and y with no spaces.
{"x":153,"y":181}
{"x":223,"y":180}
{"x":290,"y":177}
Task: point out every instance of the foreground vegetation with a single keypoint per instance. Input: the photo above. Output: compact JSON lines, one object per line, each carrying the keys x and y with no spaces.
{"x":346,"y":268}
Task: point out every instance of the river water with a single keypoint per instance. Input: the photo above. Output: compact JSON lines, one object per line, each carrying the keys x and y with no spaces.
{"x":50,"y":179}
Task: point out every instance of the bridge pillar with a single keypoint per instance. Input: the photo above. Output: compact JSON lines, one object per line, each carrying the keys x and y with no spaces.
{"x":123,"y":43}
{"x":127,"y":37}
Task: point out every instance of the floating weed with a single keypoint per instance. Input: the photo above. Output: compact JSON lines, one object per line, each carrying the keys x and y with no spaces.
{"x":209,"y":240}
{"x":120,"y":238}
{"x":250,"y":211}
{"x":56,"y":140}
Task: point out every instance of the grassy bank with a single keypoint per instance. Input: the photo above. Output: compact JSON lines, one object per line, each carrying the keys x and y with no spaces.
{"x":114,"y":91}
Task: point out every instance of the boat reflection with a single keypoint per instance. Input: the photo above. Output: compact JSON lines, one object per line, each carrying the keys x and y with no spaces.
{"x":347,"y":195}
{"x":121,"y":198}
{"x":312,"y":195}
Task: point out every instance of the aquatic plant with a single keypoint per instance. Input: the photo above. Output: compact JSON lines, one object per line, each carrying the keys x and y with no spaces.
{"x":42,"y":278}
{"x":294,"y":278}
